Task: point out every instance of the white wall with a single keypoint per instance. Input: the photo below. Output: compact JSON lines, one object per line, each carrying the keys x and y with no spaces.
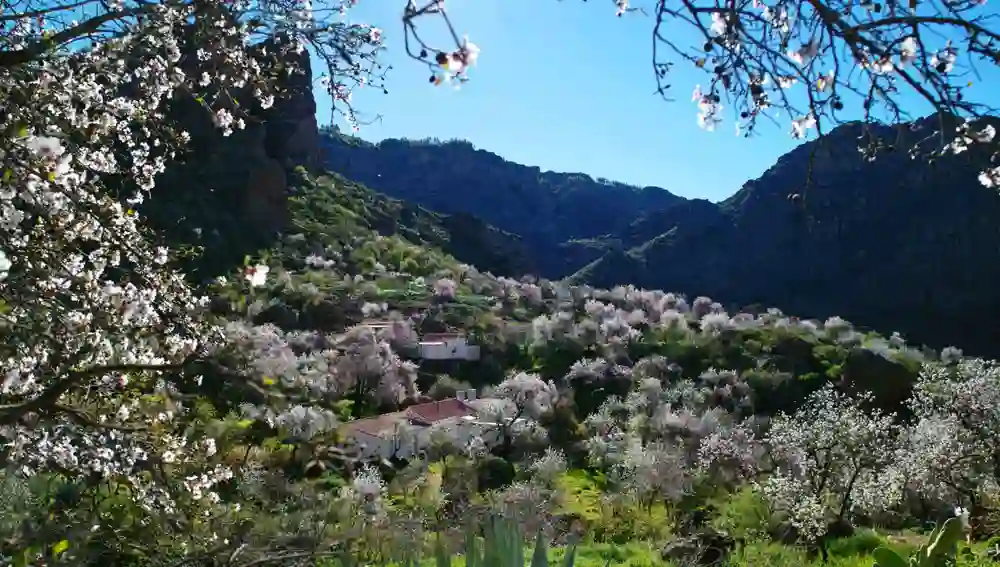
{"x":449,"y":349}
{"x":370,"y":446}
{"x":408,"y":441}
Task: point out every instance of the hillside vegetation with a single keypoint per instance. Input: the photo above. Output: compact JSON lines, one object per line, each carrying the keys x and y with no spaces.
{"x":901,"y":243}
{"x":336,"y":207}
{"x":648,"y":427}
{"x":214,"y":352}
{"x":549,"y":211}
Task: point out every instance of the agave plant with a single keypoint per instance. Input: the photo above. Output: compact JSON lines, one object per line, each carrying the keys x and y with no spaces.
{"x":502,"y":545}
{"x":939,"y":551}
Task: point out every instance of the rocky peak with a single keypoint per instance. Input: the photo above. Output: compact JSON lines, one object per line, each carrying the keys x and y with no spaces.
{"x":230,"y":193}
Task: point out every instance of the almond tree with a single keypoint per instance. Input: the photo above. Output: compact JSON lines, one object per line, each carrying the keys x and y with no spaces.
{"x":105,"y":349}
{"x":950,"y":455}
{"x":828,"y":463}
{"x":521,"y":400}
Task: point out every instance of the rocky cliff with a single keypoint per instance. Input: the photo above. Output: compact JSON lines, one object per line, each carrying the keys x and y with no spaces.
{"x":896,"y":244}
{"x":228,"y":195}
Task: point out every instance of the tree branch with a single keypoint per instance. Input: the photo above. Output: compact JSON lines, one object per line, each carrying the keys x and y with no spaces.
{"x":10,"y":413}
{"x":36,"y":49}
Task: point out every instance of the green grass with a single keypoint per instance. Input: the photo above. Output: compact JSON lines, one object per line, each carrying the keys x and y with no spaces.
{"x":842,"y":554}
{"x":634,"y":554}
{"x":850,"y":552}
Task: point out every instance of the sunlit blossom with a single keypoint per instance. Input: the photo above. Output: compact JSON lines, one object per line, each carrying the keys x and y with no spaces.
{"x":47,"y":147}
{"x":800,"y":126}
{"x":805,"y":54}
{"x":907,"y":51}
{"x":256,"y":275}
{"x":4,"y":265}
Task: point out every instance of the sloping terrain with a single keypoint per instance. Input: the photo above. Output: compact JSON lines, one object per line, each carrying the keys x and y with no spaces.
{"x":896,"y":243}
{"x":338,"y":206}
{"x":893,"y":244}
{"x":546,"y":209}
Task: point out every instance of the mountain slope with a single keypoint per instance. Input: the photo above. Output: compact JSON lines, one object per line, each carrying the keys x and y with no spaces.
{"x":546,"y":209}
{"x":343,"y":209}
{"x":895,"y":244}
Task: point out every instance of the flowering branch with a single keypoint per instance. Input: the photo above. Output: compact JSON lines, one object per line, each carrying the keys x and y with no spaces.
{"x":10,"y":413}
{"x":54,"y":41}
{"x":445,"y":65}
{"x":818,"y":61}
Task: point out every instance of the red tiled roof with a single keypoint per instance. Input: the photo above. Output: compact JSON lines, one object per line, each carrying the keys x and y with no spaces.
{"x":422,"y":414}
{"x":433,"y":412}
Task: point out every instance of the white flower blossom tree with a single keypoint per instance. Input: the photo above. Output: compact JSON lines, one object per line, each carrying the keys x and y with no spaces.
{"x":521,"y":401}
{"x":106,"y":351}
{"x":829,"y":458}
{"x":950,"y":455}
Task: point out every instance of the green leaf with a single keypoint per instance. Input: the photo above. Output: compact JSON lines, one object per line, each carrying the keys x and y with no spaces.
{"x":8,"y":174}
{"x":472,"y":558}
{"x":885,"y":557}
{"x":441,"y":557}
{"x":60,"y":547}
{"x":570,"y":557}
{"x":540,"y":557}
{"x":944,"y":541}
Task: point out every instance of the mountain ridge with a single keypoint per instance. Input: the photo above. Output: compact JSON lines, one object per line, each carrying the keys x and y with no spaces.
{"x":822,"y":232}
{"x":542,"y":207}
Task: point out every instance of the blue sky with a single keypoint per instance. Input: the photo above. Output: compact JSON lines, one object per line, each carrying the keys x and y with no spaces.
{"x":566,"y":86}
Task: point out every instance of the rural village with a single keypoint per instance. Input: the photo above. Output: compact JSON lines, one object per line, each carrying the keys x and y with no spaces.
{"x":409,"y":433}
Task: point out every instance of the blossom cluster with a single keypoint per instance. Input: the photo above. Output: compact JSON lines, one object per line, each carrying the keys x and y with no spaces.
{"x":103,"y":338}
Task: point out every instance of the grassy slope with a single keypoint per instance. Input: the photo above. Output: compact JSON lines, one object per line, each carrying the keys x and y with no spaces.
{"x":340,"y":208}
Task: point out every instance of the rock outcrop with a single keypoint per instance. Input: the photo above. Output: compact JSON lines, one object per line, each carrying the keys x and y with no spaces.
{"x":229,"y":194}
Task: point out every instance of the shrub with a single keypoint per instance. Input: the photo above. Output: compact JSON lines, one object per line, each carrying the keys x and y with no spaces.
{"x":494,"y":473}
{"x":745,"y":515}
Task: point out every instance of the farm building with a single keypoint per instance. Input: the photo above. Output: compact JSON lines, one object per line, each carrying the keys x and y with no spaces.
{"x":447,"y":346}
{"x":406,"y":433}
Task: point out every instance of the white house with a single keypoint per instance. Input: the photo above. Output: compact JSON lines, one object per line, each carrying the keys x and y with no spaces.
{"x":376,"y":325}
{"x":378,"y":437}
{"x":447,"y":346}
{"x":404,"y":434}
